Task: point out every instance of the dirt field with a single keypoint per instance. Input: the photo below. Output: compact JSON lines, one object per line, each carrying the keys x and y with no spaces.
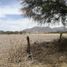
{"x":8,"y":42}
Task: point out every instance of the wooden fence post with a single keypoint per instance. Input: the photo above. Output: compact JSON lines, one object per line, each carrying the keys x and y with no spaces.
{"x":60,"y":39}
{"x":28,"y":48}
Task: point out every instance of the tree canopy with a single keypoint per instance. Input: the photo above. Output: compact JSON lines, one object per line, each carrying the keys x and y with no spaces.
{"x":46,"y":11}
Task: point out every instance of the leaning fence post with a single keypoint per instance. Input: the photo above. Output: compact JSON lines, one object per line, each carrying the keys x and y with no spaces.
{"x":28,"y":48}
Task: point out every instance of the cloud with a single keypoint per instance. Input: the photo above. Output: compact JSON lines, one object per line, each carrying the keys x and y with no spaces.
{"x":12,"y":9}
{"x":10,"y":18}
{"x":8,"y":10}
{"x":17,"y":25}
{"x":20,"y":24}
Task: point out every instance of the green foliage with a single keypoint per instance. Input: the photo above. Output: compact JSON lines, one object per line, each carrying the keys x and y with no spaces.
{"x":46,"y":11}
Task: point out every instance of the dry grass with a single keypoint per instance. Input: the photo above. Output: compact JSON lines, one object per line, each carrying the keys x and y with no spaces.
{"x":13,"y":51}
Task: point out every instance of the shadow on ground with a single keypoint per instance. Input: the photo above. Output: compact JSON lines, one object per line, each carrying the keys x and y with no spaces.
{"x":50,"y":52}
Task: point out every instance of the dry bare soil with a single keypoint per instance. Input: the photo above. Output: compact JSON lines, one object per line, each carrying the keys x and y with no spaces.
{"x":13,"y":51}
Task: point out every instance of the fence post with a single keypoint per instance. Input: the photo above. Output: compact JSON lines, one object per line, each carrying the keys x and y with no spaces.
{"x":28,"y":48}
{"x":60,"y":37}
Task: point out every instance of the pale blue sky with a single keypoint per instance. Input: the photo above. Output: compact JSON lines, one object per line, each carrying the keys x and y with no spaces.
{"x":10,"y":16}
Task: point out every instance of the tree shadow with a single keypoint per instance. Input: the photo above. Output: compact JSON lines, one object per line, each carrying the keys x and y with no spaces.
{"x":61,"y":45}
{"x":50,"y":52}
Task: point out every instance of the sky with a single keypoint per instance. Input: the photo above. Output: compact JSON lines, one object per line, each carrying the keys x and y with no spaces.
{"x":11,"y":18}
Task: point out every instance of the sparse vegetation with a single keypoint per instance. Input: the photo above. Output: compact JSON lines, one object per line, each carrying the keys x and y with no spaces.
{"x":44,"y":51}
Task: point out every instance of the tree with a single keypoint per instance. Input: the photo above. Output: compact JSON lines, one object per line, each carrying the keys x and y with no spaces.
{"x":46,"y":11}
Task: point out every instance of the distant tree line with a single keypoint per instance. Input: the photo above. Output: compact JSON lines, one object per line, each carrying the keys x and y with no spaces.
{"x":24,"y":32}
{"x":12,"y":32}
